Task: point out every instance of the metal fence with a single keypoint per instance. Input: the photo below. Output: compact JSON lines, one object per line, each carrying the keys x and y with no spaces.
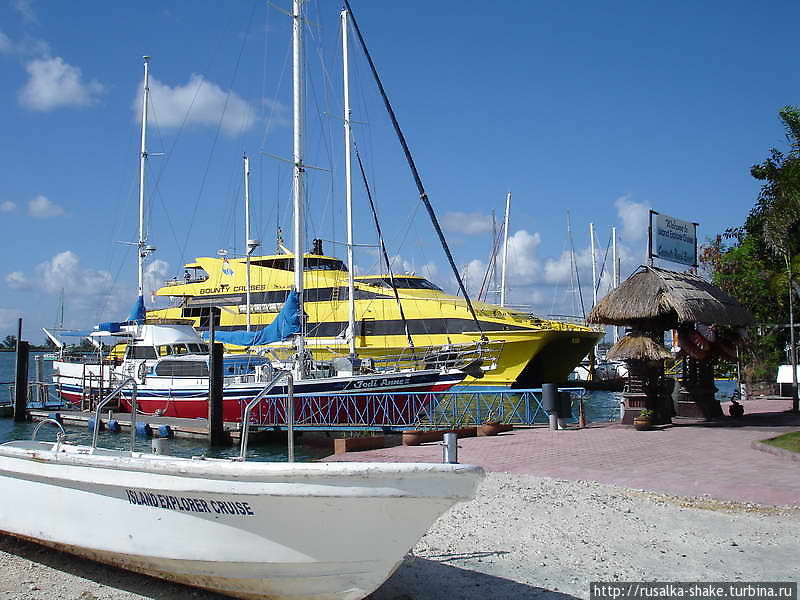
{"x":423,"y":410}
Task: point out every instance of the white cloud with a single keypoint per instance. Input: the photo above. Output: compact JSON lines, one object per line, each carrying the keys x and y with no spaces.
{"x":53,"y":83}
{"x":7,"y":206}
{"x":468,"y":223}
{"x":41,"y":208}
{"x":522,"y":262}
{"x":64,"y":271}
{"x":154,"y":275}
{"x":6,"y":47}
{"x":17,"y":280}
{"x":25,"y":9}
{"x":199,"y":102}
{"x":634,"y":218}
{"x":8,"y":320}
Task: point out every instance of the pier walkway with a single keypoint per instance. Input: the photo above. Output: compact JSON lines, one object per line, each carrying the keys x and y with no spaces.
{"x":689,"y":458}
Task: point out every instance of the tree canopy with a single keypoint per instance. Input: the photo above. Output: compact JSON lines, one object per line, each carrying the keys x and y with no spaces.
{"x":757,"y":262}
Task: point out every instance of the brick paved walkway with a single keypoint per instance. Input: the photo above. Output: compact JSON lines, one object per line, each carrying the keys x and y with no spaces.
{"x":689,"y":458}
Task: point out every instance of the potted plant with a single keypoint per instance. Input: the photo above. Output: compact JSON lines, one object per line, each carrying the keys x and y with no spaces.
{"x":491,"y":425}
{"x":644,"y":420}
{"x":735,"y":409}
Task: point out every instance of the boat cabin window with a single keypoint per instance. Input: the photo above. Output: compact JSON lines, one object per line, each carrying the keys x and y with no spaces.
{"x":401,"y":283}
{"x":167,"y":349}
{"x":182,"y":368}
{"x":310,"y":263}
{"x":141,"y":352}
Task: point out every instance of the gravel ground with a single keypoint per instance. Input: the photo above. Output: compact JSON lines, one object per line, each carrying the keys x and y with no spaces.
{"x":522,"y":537}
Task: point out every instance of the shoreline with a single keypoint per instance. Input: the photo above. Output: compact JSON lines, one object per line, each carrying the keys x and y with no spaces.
{"x":521,"y":537}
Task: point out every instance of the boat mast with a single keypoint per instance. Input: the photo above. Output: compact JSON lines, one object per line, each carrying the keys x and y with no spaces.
{"x":348,"y":192}
{"x":247,"y":240}
{"x":594,"y":266}
{"x":297,"y":156}
{"x":505,"y":251}
{"x":615,"y":271}
{"x":495,"y":285}
{"x":143,"y":251}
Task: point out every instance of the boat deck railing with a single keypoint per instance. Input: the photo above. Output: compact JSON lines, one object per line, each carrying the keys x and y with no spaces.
{"x":41,"y":394}
{"x":483,"y":355}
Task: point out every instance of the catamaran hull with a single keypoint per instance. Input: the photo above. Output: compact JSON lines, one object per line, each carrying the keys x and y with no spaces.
{"x":250,"y":530}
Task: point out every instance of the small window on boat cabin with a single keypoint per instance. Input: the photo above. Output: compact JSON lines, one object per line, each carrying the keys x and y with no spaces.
{"x":182,"y":368}
{"x":141,"y":352}
{"x":164,"y":350}
{"x":198,"y":348}
{"x":180,"y":349}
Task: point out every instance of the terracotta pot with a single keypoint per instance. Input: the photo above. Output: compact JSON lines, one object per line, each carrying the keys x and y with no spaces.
{"x":492,"y":428}
{"x":642,"y":423}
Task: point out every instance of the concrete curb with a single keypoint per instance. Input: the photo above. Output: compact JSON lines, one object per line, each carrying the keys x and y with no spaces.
{"x":795,"y":456}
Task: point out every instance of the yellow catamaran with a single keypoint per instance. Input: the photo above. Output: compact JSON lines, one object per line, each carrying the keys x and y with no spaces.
{"x":531,"y":350}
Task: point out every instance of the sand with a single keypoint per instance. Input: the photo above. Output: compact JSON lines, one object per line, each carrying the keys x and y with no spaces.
{"x":521,"y":537}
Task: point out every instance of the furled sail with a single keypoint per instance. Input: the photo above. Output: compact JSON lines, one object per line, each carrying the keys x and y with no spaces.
{"x":286,"y":324}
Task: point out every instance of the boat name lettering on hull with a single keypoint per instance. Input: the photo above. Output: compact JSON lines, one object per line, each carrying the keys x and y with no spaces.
{"x":185,"y":504}
{"x":375,"y":383}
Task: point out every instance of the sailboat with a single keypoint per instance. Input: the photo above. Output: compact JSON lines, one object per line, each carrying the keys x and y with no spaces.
{"x":331,"y":531}
{"x":170,"y":361}
{"x":377,"y":317}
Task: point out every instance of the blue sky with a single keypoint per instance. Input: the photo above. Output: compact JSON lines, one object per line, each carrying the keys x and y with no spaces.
{"x":603,"y":109}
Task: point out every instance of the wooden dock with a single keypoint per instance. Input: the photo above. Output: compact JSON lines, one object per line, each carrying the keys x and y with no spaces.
{"x":183,"y":428}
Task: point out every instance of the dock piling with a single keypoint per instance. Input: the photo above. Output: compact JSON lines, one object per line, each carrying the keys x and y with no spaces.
{"x":216,"y":429}
{"x":21,"y":383}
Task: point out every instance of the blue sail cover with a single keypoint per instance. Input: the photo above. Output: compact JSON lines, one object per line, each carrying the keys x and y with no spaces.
{"x":137,"y":316}
{"x":287,"y":323}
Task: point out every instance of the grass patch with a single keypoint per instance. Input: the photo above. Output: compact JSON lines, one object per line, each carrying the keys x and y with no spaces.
{"x":787,"y":441}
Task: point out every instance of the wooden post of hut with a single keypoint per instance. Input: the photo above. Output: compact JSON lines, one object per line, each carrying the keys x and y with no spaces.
{"x":655,"y":300}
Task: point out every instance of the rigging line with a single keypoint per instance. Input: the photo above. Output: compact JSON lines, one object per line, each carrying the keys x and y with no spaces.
{"x":602,"y":267}
{"x":422,"y":193}
{"x":383,"y":249}
{"x":575,"y":264}
{"x":486,"y":276}
{"x":218,"y":131}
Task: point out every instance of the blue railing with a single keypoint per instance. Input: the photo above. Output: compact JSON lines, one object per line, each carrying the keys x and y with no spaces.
{"x":418,"y":410}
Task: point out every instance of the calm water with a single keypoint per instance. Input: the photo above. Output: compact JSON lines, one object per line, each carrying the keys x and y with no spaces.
{"x":599,"y":406}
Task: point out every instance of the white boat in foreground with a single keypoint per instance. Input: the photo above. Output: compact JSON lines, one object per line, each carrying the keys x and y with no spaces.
{"x":249,"y":530}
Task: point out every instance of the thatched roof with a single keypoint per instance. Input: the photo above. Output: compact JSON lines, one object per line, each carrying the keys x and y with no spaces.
{"x":658,"y":299}
{"x":637,"y":346}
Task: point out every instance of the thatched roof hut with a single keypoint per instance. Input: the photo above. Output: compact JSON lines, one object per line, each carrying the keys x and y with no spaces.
{"x":638,"y":346}
{"x":658,"y":299}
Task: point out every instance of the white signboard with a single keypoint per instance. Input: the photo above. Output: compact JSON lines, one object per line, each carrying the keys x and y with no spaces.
{"x":673,"y":239}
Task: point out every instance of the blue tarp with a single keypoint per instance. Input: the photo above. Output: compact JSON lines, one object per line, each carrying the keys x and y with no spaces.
{"x":286,"y":323}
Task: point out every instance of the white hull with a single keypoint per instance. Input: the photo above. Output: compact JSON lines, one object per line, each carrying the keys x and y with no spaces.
{"x":317,"y":530}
